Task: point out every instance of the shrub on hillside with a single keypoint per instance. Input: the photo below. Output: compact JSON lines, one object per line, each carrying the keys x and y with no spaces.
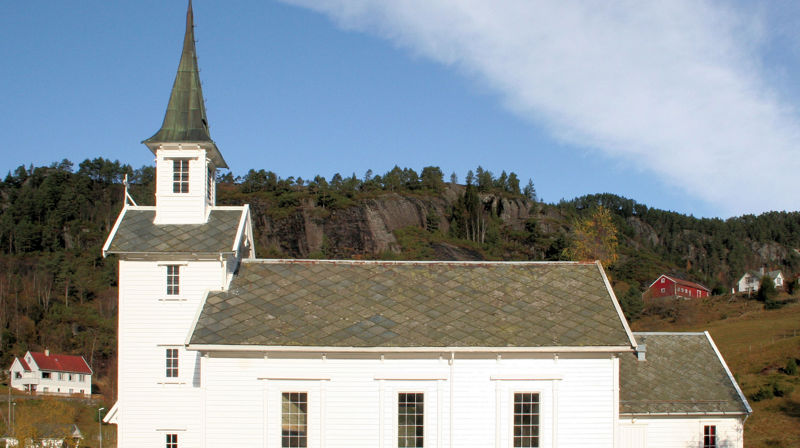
{"x":781,"y":389}
{"x":763,"y":393}
{"x":767,"y":289}
{"x":791,"y":367}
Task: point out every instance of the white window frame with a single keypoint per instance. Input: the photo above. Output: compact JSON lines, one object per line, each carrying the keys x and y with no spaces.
{"x":424,"y":415}
{"x":701,"y":431}
{"x":389,"y":388}
{"x":173,"y":279}
{"x":273,"y":388}
{"x":512,"y":413}
{"x":180,"y":177}
{"x":172,"y":370}
{"x":546,"y":385}
{"x":210,"y":183}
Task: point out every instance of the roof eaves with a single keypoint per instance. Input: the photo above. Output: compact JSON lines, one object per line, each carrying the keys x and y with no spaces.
{"x":728,"y":372}
{"x":197,"y":314}
{"x":617,"y":307}
{"x":114,"y":231}
{"x":382,"y":349}
{"x":678,"y":413}
{"x":237,"y":241}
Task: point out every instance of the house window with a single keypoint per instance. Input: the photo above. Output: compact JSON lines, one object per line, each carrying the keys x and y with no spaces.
{"x":60,"y":376}
{"x":663,"y":289}
{"x":81,"y":377}
{"x":210,"y":186}
{"x":45,"y":389}
{"x":46,"y":375}
{"x":70,"y":377}
{"x":526,"y":419}
{"x":172,"y":363}
{"x":17,"y":375}
{"x":294,"y":420}
{"x":173,"y":279}
{"x":172,"y":441}
{"x":180,"y":176}
{"x":410,"y":420}
{"x":710,"y":436}
{"x":663,"y":280}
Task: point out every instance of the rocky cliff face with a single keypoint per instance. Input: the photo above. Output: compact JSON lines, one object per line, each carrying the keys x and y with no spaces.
{"x":367,"y":228}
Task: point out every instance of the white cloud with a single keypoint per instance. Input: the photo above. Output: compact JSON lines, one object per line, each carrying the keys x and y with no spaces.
{"x":673,"y":87}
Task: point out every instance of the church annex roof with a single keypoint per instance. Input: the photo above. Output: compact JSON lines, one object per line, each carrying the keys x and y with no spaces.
{"x":683,"y":374}
{"x":185,"y":120}
{"x":413,"y":304}
{"x":136,"y":233}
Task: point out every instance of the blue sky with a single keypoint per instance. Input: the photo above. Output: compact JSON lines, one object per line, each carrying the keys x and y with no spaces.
{"x":688,"y":106}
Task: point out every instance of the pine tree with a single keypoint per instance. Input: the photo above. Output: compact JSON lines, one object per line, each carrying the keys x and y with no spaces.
{"x":530,"y":191}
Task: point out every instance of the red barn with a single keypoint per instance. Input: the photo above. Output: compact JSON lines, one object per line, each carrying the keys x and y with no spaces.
{"x":666,"y":286}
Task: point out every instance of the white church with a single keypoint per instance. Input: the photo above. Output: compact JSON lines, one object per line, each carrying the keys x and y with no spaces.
{"x":218,"y":348}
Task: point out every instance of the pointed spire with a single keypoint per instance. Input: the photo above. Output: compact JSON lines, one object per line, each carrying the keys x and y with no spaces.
{"x":185,"y":120}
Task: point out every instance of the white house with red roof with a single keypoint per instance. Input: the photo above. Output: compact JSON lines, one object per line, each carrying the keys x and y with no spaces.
{"x":49,"y":373}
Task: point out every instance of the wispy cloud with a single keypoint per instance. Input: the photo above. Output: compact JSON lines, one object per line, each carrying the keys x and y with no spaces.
{"x":674,"y":88}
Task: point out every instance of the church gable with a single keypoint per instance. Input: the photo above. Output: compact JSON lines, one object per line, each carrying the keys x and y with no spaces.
{"x":414,"y":304}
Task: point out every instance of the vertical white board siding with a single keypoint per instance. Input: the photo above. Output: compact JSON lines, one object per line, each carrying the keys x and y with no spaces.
{"x":355,"y":399}
{"x":586,"y":403}
{"x":682,"y":432}
{"x":150,"y":321}
{"x":181,"y":208}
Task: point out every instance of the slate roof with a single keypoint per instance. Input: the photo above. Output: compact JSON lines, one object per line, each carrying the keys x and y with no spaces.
{"x":61,"y":363}
{"x":136,"y":233}
{"x":412,"y":304}
{"x":682,"y":374}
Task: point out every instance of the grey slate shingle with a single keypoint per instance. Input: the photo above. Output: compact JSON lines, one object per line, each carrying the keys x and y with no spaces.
{"x":138,"y":234}
{"x":681,"y":374}
{"x":307,"y":303}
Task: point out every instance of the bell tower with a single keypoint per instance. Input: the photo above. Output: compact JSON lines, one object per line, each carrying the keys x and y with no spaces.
{"x":186,"y":157}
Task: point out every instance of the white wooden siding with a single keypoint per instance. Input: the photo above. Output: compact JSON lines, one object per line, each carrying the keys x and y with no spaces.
{"x":686,"y":432}
{"x":181,"y":208}
{"x":150,"y":321}
{"x":357,"y":399}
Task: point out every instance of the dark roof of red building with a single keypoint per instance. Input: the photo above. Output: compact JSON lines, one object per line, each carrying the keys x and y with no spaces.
{"x":683,"y":282}
{"x":61,"y":363}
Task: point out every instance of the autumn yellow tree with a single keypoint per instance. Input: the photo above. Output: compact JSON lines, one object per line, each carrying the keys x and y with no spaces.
{"x":594,"y":238}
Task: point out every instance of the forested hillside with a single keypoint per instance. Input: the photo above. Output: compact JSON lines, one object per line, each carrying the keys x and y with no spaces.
{"x":57,"y":291}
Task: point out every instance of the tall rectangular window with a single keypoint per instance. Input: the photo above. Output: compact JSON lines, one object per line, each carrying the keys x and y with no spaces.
{"x":180,"y":176}
{"x":410,"y":420}
{"x":709,"y":436}
{"x":173,"y":279}
{"x":294,"y":420}
{"x":210,"y":186}
{"x":526,"y":419}
{"x":172,"y":441}
{"x":172,"y":363}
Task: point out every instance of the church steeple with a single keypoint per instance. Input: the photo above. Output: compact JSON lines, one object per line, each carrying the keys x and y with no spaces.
{"x":185,"y":120}
{"x":186,"y":157}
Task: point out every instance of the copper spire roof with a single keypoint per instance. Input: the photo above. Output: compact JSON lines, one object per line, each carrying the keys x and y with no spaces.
{"x":185,"y":120}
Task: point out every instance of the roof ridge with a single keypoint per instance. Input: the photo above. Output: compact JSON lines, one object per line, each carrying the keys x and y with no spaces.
{"x":411,"y":262}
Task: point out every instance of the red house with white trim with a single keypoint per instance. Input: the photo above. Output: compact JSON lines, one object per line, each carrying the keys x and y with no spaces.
{"x":666,"y":286}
